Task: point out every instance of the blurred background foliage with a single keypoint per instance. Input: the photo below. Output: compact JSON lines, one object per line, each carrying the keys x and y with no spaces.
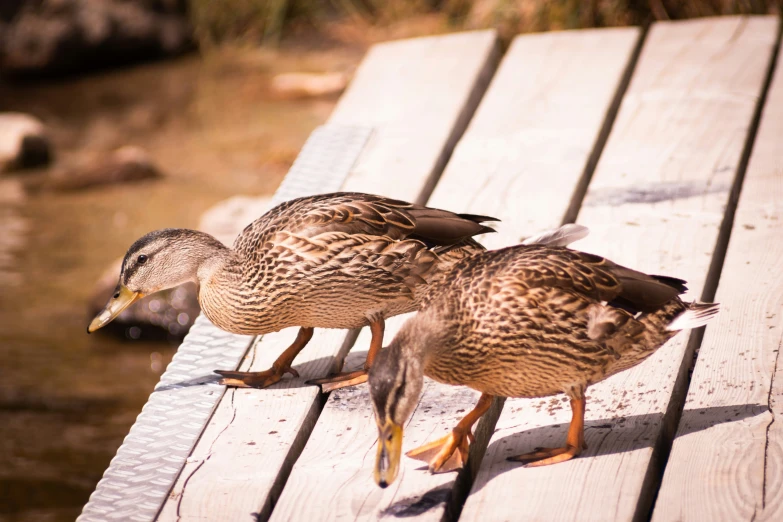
{"x":54,"y":37}
{"x":269,"y":21}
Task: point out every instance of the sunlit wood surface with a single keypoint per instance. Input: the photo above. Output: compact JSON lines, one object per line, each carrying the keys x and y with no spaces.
{"x":649,"y":138}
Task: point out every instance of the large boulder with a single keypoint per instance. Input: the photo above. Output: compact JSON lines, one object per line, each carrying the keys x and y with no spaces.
{"x":57,"y":36}
{"x":23,"y":142}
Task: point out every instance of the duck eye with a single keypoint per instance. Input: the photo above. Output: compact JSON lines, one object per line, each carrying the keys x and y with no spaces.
{"x":142,"y":259}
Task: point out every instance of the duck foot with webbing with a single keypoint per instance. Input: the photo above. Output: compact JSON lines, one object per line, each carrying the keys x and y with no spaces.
{"x":345,"y":379}
{"x":575,"y":442}
{"x":280,"y":367}
{"x":451,"y":452}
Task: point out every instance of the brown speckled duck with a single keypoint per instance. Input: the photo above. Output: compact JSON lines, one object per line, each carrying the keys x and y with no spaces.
{"x":342,"y":260}
{"x":525,"y":321}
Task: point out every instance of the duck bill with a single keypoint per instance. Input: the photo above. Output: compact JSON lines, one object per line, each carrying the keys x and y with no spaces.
{"x":121,"y":300}
{"x":387,"y":460}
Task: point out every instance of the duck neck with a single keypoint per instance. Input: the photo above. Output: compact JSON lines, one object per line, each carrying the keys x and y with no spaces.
{"x":418,"y":338}
{"x":219,"y":275}
{"x":397,"y":376}
{"x":214,"y":262}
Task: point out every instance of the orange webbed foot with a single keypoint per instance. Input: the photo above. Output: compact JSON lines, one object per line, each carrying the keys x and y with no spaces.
{"x":254,"y":379}
{"x":340,"y":380}
{"x":446,"y":454}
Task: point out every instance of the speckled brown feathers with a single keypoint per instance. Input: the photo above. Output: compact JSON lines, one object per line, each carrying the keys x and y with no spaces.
{"x":525,"y":321}
{"x":342,"y":260}
{"x":362,"y":214}
{"x":333,"y":260}
{"x":531,"y":321}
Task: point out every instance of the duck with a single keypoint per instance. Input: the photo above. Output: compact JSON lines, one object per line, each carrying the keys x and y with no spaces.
{"x":338,"y":260}
{"x":530,"y":320}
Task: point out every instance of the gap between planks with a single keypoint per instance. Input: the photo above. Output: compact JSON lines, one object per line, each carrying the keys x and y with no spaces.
{"x":333,"y":474}
{"x":600,"y":142}
{"x":682,"y":384}
{"x":486,"y":426}
{"x":234,"y":472}
{"x":609,"y":482}
{"x":738,"y":449}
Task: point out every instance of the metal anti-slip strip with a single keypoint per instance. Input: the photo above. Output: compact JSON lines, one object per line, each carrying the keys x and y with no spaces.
{"x":151,"y":457}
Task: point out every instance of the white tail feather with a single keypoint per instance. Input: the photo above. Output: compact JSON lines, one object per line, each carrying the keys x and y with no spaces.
{"x":562,"y":236}
{"x":697,"y":315}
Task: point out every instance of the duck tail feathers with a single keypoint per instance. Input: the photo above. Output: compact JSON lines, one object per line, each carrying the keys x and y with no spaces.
{"x":476,"y":218}
{"x":562,"y":236}
{"x":697,"y":314}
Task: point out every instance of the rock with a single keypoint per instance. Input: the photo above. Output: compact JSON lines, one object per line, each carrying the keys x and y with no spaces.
{"x":168,"y":314}
{"x":301,"y":85}
{"x":59,"y":36}
{"x":125,"y":164}
{"x":23,"y":142}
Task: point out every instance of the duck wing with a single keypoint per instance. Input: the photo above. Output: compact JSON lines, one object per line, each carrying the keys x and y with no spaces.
{"x":364,"y":214}
{"x":595,"y":277}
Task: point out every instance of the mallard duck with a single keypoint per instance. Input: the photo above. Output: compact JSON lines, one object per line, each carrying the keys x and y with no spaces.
{"x":525,"y":321}
{"x":342,"y":260}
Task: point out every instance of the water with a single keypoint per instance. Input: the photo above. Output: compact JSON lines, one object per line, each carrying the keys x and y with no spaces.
{"x":67,"y":399}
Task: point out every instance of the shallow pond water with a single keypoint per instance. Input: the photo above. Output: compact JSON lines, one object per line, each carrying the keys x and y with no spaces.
{"x":67,"y":399}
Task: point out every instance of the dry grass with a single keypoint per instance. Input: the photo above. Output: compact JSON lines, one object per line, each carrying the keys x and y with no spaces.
{"x":270,"y":21}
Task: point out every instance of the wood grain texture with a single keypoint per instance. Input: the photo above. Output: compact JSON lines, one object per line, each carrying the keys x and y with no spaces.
{"x":332,"y":480}
{"x":242,"y":460}
{"x":726,"y":463}
{"x":333,"y":477}
{"x":526,"y":149}
{"x":655,"y":203}
{"x":413,"y":92}
{"x":254,"y":436}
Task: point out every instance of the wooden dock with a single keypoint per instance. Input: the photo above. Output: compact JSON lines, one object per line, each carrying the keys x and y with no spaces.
{"x":668,"y":144}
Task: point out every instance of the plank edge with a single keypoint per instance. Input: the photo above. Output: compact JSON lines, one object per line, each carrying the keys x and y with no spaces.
{"x":580,"y":190}
{"x":671,"y":420}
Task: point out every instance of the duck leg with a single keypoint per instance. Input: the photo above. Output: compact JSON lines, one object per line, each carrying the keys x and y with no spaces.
{"x":575,"y":441}
{"x":279,"y":368}
{"x":341,"y":380}
{"x":451,"y":452}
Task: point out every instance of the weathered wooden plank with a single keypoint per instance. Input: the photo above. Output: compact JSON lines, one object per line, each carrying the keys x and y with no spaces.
{"x":655,"y":203}
{"x":525,"y":106}
{"x":139,"y":479}
{"x":254,"y":437}
{"x":726,"y":463}
{"x":526,"y":152}
{"x":411,"y":103}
